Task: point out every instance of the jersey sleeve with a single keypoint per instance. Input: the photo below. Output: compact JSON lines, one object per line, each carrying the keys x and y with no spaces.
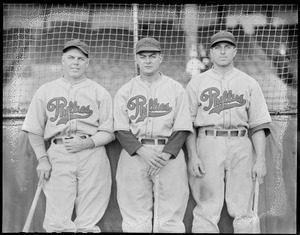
{"x":192,"y":100}
{"x":258,"y":110}
{"x":106,"y":113}
{"x":121,"y":119}
{"x":36,"y":117}
{"x":182,"y":117}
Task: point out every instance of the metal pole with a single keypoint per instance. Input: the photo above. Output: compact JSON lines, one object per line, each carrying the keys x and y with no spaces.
{"x":135,"y":33}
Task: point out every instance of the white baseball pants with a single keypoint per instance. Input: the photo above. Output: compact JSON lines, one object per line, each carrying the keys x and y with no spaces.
{"x":82,"y":180}
{"x":135,"y":192}
{"x":229,"y":161}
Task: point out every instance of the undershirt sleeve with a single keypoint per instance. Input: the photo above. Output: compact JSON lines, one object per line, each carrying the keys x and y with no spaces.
{"x":131,"y":144}
{"x":176,"y":142}
{"x":128,"y":141}
{"x":265,"y":127}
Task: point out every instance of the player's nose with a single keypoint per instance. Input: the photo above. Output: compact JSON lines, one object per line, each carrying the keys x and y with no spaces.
{"x":76,"y":61}
{"x":147,"y":60}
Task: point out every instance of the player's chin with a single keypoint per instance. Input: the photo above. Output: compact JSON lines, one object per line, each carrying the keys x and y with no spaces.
{"x":77,"y":74}
{"x":223,"y":63}
{"x":149,"y":71}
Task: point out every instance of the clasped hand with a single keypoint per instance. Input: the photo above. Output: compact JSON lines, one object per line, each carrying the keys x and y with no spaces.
{"x":75,"y":144}
{"x":155,"y":159}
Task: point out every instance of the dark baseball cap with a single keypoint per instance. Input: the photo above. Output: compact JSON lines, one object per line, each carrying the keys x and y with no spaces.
{"x":222,"y":36}
{"x":147,"y":44}
{"x":78,"y":44}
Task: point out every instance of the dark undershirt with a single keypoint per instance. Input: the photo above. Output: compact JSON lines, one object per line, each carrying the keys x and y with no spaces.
{"x":265,"y":127}
{"x":131,"y":144}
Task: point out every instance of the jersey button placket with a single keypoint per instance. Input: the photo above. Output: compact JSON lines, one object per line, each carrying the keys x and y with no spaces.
{"x":226,"y":112}
{"x":71,"y":99}
{"x":149,"y":125}
{"x":149,"y":119}
{"x":227,"y":119}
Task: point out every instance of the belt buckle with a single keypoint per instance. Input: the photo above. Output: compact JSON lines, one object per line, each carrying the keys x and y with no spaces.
{"x":155,"y":141}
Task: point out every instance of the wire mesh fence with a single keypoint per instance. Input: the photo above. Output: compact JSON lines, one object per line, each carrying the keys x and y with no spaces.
{"x":34,"y":34}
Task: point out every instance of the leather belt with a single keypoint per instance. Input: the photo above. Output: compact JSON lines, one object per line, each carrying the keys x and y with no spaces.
{"x":59,"y":140}
{"x":234,"y":133}
{"x":149,"y":141}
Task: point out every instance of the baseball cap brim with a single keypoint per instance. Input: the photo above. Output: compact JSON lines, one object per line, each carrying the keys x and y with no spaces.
{"x":223,"y":40}
{"x":147,"y":49}
{"x":78,"y":47}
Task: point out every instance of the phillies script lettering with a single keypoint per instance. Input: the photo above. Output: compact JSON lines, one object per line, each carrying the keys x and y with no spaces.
{"x":139,"y":104}
{"x":65,"y":113}
{"x":217,"y":104}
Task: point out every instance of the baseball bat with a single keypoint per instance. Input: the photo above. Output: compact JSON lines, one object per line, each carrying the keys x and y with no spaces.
{"x":256,"y":193}
{"x":256,"y":224}
{"x":32,"y":209}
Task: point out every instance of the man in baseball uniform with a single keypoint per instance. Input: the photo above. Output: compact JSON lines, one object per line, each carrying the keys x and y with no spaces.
{"x":75,"y":114}
{"x":231,"y":122}
{"x":152,"y":121}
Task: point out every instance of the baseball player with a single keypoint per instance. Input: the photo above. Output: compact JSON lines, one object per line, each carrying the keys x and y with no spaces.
{"x":152,"y":122}
{"x":75,"y":114}
{"x":231,"y":122}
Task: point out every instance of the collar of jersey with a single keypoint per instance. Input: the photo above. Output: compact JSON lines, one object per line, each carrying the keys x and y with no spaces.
{"x":77,"y":82}
{"x":218,"y":75}
{"x":146,"y":83}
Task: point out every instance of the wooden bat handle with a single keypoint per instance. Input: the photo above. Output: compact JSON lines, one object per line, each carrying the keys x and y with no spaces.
{"x":256,"y":193}
{"x":32,"y":209}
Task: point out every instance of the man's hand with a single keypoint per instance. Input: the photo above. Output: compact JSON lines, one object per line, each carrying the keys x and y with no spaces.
{"x":77,"y":144}
{"x":43,"y":169}
{"x":196,"y":167}
{"x":259,"y":170}
{"x":154,"y":170}
{"x":151,"y":156}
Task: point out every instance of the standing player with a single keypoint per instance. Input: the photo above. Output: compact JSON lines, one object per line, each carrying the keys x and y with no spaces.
{"x":152,"y":121}
{"x":75,"y":113}
{"x":231,"y":122}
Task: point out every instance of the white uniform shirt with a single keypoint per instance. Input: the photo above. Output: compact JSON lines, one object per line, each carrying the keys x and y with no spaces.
{"x":152,"y":110}
{"x":229,"y":101}
{"x":86,"y":104}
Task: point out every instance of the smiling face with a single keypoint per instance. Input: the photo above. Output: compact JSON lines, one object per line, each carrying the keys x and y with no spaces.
{"x":75,"y":64}
{"x":149,"y":62}
{"x":222,"y":54}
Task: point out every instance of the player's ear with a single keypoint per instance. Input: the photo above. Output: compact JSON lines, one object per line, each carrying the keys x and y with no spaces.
{"x":234,"y":53}
{"x":136,"y":58}
{"x":211,"y":53}
{"x":63,"y":59}
{"x":160,"y":58}
{"x":87,"y":62}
